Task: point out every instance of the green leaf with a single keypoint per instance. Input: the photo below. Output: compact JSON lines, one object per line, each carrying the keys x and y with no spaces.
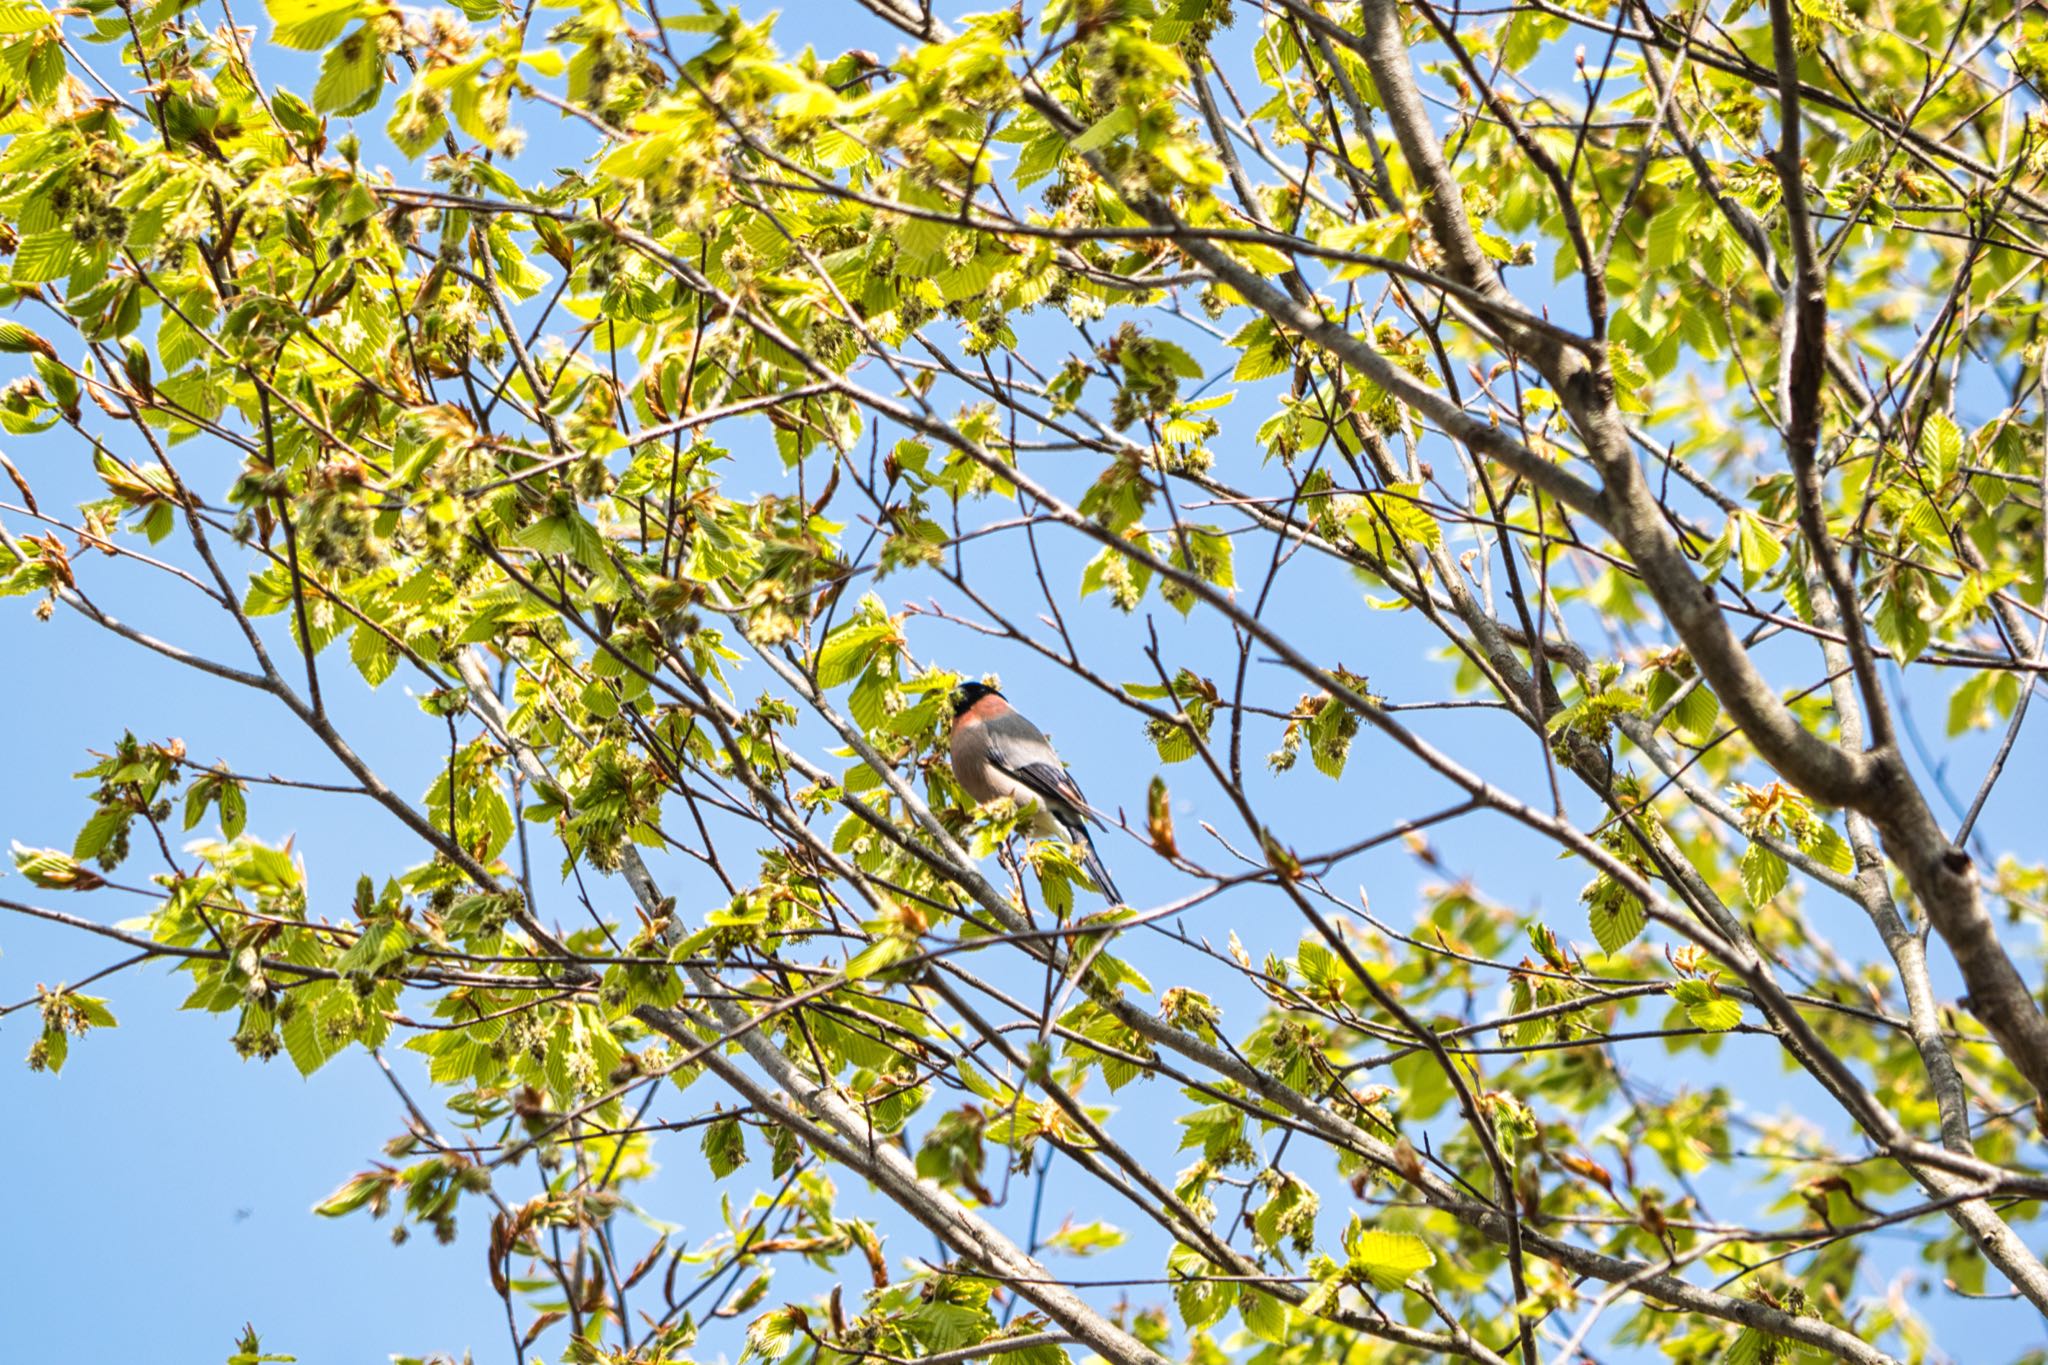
{"x":295,"y":115}
{"x":1105,"y":130}
{"x":1695,"y":714}
{"x":16,"y":339}
{"x":54,"y":871}
{"x":1830,"y":849}
{"x":105,"y":823}
{"x":309,"y":1033}
{"x":22,"y":16}
{"x":1387,"y":1258}
{"x":1202,"y":1302}
{"x":884,"y":952}
{"x":353,"y":1194}
{"x":1758,"y":547}
{"x":1667,"y":234}
{"x":445,"y":701}
{"x":92,"y":1008}
{"x":1265,"y":351}
{"x":1899,"y":621}
{"x":1747,"y":1348}
{"x":1615,"y":916}
{"x":1177,"y":359}
{"x":1706,"y":1006}
{"x":351,"y":75}
{"x":940,"y":1326}
{"x":725,"y":1146}
{"x":310,"y":25}
{"x":1205,"y":552}
{"x":1126,"y":578}
{"x":1086,"y":1239}
{"x":1941,"y":444}
{"x":1393,"y":518}
{"x":849,"y":651}
{"x":1763,"y":874}
{"x":1215,"y":1130}
{"x":43,"y":257}
{"x":418,"y":121}
{"x":50,"y":1051}
{"x":371,"y":653}
{"x":1265,"y":1317}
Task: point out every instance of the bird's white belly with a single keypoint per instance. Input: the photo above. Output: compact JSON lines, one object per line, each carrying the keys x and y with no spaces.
{"x":1042,"y":823}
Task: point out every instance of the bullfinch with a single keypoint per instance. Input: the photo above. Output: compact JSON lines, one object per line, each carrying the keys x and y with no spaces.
{"x":996,"y":752}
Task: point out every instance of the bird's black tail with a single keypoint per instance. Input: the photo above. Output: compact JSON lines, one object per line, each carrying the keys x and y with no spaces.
{"x":1076,"y":967}
{"x":1092,"y":862}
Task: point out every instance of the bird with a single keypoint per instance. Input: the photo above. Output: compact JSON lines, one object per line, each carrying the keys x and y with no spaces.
{"x":997,"y":752}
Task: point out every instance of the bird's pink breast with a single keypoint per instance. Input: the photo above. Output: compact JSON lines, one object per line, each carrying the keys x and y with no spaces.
{"x":984,"y":708}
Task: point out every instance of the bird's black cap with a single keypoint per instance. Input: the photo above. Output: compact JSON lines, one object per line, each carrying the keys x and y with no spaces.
{"x":968,"y":693}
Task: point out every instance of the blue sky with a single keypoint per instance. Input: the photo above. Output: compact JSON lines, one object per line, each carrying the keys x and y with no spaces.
{"x":167,"y":1183}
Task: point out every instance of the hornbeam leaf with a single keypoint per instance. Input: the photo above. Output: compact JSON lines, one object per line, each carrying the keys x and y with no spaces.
{"x":1388,"y":1259}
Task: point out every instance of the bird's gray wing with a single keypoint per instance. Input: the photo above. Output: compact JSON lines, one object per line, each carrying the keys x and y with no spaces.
{"x":1018,"y":748}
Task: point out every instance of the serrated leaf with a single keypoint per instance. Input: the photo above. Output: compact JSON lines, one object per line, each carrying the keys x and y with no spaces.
{"x":310,"y":25}
{"x":1265,"y":351}
{"x":16,"y":339}
{"x":1177,"y":359}
{"x":1265,"y":1317}
{"x":1830,"y":849}
{"x":22,"y":16}
{"x":1388,"y":1258}
{"x":105,"y":823}
{"x":372,"y":654}
{"x":1616,"y":918}
{"x":882,"y":953}
{"x":1695,"y":714}
{"x":849,"y":651}
{"x":43,"y":257}
{"x":305,"y":1040}
{"x":1763,"y":874}
{"x":1706,"y":1006}
{"x":1393,"y":518}
{"x":1758,"y":548}
{"x":1941,"y":444}
{"x":1105,"y":130}
{"x":1747,"y":1348}
{"x":725,"y":1146}
{"x":351,"y":75}
{"x":1900,"y":625}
